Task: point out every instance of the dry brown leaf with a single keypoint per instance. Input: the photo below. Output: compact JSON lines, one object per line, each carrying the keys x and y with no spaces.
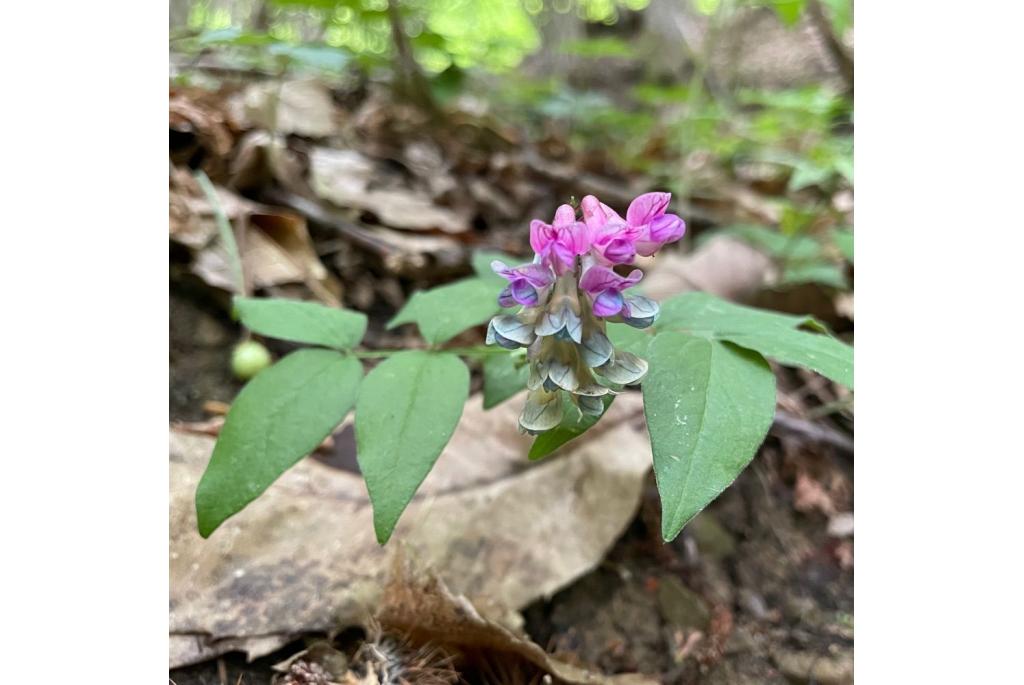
{"x":302,"y":107}
{"x":426,"y":611}
{"x":199,"y":130}
{"x":347,"y":178}
{"x":723,"y":266}
{"x":490,"y":524}
{"x":275,"y":244}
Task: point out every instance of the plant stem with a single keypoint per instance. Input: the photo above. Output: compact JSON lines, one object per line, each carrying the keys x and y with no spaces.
{"x":227,"y":235}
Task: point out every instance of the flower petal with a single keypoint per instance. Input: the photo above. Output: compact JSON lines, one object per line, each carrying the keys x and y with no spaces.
{"x":511,"y":328}
{"x":543,"y":411}
{"x":524,"y":293}
{"x":594,"y":406}
{"x":541,"y":235}
{"x":505,"y":298}
{"x":596,"y":349}
{"x":608,"y":303}
{"x":647,"y":207}
{"x":640,"y":311}
{"x":565,"y":217}
{"x":563,"y":375}
{"x":625,"y":369}
{"x":598,"y":278}
{"x":593,"y":212}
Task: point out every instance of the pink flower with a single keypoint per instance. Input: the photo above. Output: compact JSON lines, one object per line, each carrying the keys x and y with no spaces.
{"x":613,"y":241}
{"x":606,"y":287}
{"x":558,"y":244}
{"x":524,"y":283}
{"x":646,"y":214}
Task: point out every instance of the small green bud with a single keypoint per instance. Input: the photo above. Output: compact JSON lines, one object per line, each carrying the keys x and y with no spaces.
{"x":248,"y":359}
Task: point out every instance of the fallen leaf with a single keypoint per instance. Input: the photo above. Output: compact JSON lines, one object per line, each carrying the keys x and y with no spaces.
{"x":347,"y":178}
{"x":722,"y":266}
{"x":275,"y":244}
{"x":426,"y":611}
{"x":302,"y":107}
{"x":303,"y":557}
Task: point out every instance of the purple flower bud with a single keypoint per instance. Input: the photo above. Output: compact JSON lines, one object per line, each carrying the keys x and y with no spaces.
{"x":605,"y":287}
{"x":525,"y":282}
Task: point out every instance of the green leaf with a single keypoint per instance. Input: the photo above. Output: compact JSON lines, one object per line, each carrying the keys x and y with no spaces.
{"x":774,"y":243}
{"x":773,"y":335}
{"x":407,"y":411}
{"x":279,"y":417}
{"x":442,"y":313}
{"x":822,"y":273}
{"x":574,"y":424}
{"x":303,"y":322}
{"x":707,"y":7}
{"x":789,"y":11}
{"x":625,"y":337}
{"x":605,"y":46}
{"x":822,"y":353}
{"x":699,"y":312}
{"x":708,"y":406}
{"x":504,"y":376}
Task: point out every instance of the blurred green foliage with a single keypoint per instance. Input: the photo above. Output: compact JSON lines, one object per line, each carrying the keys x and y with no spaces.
{"x":644,"y":123}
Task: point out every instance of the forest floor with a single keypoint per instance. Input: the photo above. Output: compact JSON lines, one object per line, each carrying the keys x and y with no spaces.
{"x":763,"y":578}
{"x":757,"y":589}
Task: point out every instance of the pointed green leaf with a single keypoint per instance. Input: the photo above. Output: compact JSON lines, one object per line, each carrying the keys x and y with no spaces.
{"x":822,"y":353}
{"x":444,"y":312}
{"x":574,"y":424}
{"x":701,"y":313}
{"x":302,"y":322}
{"x":504,"y":376}
{"x":708,"y":405}
{"x":773,"y":335}
{"x":625,"y":337}
{"x":279,"y":417}
{"x":407,"y":411}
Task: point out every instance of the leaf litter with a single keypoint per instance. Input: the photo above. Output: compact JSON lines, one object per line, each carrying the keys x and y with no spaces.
{"x":401,"y":209}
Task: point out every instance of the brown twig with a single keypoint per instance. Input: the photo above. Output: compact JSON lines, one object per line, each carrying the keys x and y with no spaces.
{"x":815,"y":432}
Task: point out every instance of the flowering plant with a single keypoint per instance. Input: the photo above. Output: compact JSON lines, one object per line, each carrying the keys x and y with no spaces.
{"x":567,"y":327}
{"x":569,"y":293}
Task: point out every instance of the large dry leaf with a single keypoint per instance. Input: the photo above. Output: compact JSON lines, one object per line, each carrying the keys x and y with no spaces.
{"x":302,"y":107}
{"x":490,"y":524}
{"x":723,"y":266}
{"x":348,"y":179}
{"x":275,"y":245}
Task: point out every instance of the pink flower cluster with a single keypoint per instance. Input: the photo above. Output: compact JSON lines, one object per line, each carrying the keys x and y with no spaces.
{"x":601,"y":240}
{"x":568,"y":296}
